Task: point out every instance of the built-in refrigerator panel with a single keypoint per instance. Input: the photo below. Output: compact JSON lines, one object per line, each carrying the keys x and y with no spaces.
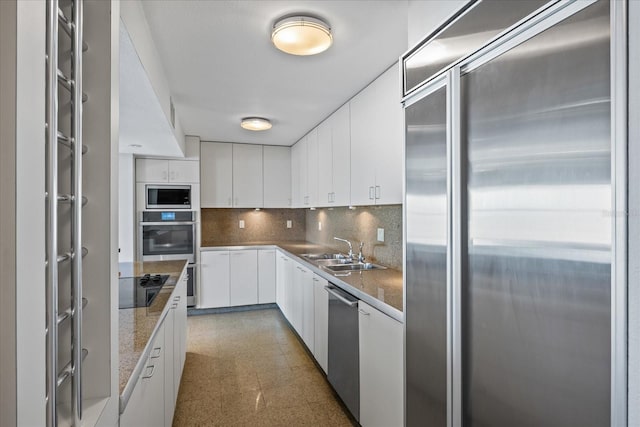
{"x":426,"y":259}
{"x":536,"y":277}
{"x":514,"y":241}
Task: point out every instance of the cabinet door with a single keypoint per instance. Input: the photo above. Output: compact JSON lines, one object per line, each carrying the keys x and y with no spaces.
{"x":325,"y":163}
{"x":341,"y":155}
{"x":146,"y":405}
{"x":180,"y":331}
{"x":184,"y":171}
{"x":266,"y":276}
{"x":308,"y":307}
{"x":299,"y":175}
{"x":243,"y":283}
{"x":312,"y":167}
{"x":297,"y":298}
{"x":214,"y":283}
{"x":277,"y":177}
{"x":216,"y":177}
{"x":381,"y":368}
{"x":281,"y":260}
{"x":389,"y":146}
{"x":364,"y":122}
{"x":247,"y":176}
{"x":170,"y":363}
{"x":152,"y":170}
{"x":321,"y":322}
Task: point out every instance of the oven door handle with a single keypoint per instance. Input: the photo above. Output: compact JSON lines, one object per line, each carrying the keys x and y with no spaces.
{"x":142,"y":224}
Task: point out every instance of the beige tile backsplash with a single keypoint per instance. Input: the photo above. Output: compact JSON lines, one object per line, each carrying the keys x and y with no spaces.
{"x":221,"y":227}
{"x":360,"y":225}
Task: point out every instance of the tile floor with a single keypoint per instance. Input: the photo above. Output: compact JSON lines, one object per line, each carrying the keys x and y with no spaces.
{"x":249,"y":369}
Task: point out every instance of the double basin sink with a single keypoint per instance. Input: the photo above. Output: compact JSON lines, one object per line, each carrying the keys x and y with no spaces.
{"x":340,"y":263}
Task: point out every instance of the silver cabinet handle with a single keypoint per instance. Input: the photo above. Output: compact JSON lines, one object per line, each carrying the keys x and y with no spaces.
{"x":315,"y":280}
{"x":174,"y":305}
{"x":361,"y":311}
{"x":176,"y":298}
{"x":377,"y":191}
{"x":340,"y":297}
{"x":156,"y":352}
{"x":150,"y":374}
{"x":371,"y":195}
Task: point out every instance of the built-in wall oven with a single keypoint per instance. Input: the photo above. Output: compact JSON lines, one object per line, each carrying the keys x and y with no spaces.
{"x":169,"y":235}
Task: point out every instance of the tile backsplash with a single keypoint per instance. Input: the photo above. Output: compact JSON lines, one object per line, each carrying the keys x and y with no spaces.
{"x":222,"y":226}
{"x":360,"y":225}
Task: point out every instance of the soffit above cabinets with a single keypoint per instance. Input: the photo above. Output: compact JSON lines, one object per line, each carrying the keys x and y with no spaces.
{"x":144,"y":128}
{"x":221,"y":65}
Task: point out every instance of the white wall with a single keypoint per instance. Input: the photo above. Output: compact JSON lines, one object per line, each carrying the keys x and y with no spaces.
{"x":133,"y":17}
{"x":126,"y":208}
{"x":426,"y":15}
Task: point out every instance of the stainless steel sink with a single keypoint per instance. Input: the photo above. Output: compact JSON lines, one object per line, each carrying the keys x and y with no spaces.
{"x":354,"y":267}
{"x":325,"y":256}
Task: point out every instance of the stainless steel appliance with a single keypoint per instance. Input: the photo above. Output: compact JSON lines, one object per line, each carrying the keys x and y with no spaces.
{"x":170,"y":235}
{"x":510,"y":250}
{"x":344,"y":354}
{"x":168,"y":196}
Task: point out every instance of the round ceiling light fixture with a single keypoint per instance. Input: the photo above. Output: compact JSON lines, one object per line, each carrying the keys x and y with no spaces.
{"x":301,"y":35}
{"x":255,"y":123}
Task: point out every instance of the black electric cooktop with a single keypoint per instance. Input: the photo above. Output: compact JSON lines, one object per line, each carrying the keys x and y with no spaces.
{"x":140,"y":291}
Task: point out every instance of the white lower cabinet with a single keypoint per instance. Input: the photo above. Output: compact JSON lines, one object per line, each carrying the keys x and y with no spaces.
{"x":308,"y":309}
{"x":243,"y":277}
{"x":214,"y":283}
{"x":283,"y":276}
{"x":297,"y":298}
{"x":381,"y":368}
{"x":152,"y":402}
{"x":169,"y":366}
{"x":142,"y":408}
{"x":267,"y":276}
{"x":321,"y":322}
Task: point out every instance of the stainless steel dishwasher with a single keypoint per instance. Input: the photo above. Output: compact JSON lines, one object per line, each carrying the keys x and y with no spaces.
{"x":344,"y":354}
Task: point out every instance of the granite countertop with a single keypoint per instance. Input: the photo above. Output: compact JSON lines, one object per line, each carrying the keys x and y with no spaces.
{"x":381,"y":289}
{"x":138,"y":326}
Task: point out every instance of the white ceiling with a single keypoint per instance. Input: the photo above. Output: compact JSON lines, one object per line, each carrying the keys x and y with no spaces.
{"x":221,"y":65}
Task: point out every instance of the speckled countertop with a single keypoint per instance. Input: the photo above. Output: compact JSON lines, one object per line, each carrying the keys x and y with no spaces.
{"x":138,"y":325}
{"x":381,"y":289}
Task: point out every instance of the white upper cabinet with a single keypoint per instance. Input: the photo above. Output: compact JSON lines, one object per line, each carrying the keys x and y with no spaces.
{"x":334,"y":154}
{"x":325,"y":162}
{"x":170,"y":171}
{"x":299,"y":173}
{"x":247,"y":176}
{"x":216,"y":171}
{"x":312,"y":168}
{"x":277,"y":176}
{"x":341,"y":156}
{"x":377,"y":142}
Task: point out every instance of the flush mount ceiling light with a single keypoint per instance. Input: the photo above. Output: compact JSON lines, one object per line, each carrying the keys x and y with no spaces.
{"x":255,"y":123}
{"x":301,"y":35}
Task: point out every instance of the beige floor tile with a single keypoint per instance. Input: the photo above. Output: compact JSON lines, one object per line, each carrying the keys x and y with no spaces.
{"x":250,"y":369}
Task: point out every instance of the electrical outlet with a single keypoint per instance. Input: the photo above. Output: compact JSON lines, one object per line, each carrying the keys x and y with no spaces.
{"x":319,"y":226}
{"x":380,"y":234}
{"x":289,"y":223}
{"x":241,"y":223}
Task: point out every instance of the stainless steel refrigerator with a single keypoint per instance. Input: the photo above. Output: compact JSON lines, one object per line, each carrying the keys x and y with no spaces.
{"x":512,"y":248}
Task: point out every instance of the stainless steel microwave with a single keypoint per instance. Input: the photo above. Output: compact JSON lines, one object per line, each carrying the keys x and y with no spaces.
{"x":168,"y":196}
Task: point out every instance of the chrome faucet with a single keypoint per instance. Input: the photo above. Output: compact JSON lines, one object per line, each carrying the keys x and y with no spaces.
{"x":350,"y":255}
{"x":360,"y":255}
